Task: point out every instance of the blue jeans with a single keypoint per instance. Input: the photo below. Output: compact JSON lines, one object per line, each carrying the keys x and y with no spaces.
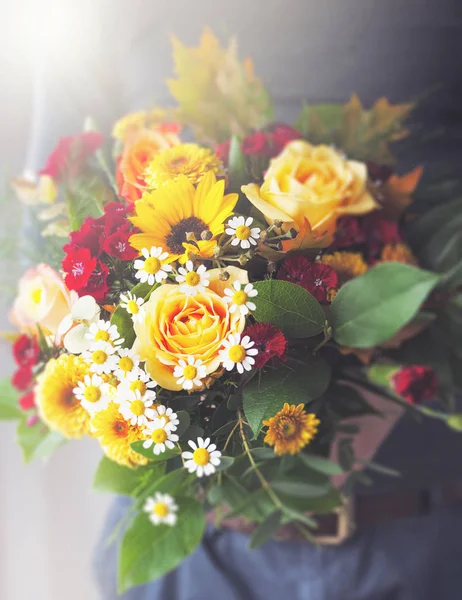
{"x":417,"y":558}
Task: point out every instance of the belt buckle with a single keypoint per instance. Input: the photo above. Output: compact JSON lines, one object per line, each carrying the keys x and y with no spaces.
{"x":345,"y":524}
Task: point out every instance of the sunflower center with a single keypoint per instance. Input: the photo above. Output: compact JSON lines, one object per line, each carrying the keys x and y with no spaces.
{"x":160,"y":509}
{"x":178,"y":162}
{"x":239,"y":298}
{"x":102,"y":336}
{"x":152,"y":265}
{"x":159,"y":436}
{"x":99,"y":357}
{"x":237,"y":353}
{"x":288,"y":428}
{"x":133,"y":307}
{"x":192,"y":278}
{"x":138,"y":386}
{"x":120,"y":428}
{"x":92,"y":393}
{"x":137,"y":408}
{"x":201,"y":456}
{"x":243,"y":232}
{"x":126,"y":364}
{"x":190,"y":372}
{"x":178,"y":233}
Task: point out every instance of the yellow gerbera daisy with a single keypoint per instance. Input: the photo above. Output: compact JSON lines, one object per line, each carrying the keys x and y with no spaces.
{"x":56,"y":401}
{"x":291,"y":429}
{"x":166,"y":215}
{"x":347,"y":265}
{"x":128,"y":124}
{"x":115,"y":435}
{"x":189,"y":160}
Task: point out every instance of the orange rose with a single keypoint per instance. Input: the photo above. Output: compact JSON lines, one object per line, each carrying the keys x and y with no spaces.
{"x":139,"y":150}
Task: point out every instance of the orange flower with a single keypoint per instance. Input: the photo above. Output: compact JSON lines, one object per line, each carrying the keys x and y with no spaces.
{"x":347,"y":265}
{"x":291,"y":429}
{"x":398,"y":253}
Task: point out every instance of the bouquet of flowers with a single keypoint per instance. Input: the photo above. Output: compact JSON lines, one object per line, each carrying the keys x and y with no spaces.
{"x":221,"y":308}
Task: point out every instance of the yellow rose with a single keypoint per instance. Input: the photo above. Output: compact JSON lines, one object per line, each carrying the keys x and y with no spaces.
{"x":176,"y":326}
{"x":308,"y":188}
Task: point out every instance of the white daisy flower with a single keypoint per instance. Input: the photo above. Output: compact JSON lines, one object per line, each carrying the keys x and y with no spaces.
{"x":133,"y":305}
{"x":190,"y":374}
{"x":128,"y":363}
{"x":193,"y":281}
{"x":73,"y":329}
{"x":167,"y":416}
{"x":204,"y":459}
{"x":152,"y":269}
{"x":103,"y":331}
{"x":102,"y":357}
{"x":240,"y":298}
{"x":161,"y":437}
{"x":93,"y":393}
{"x":244,"y":235}
{"x":136,"y":409}
{"x":238,"y":353}
{"x":161,"y":509}
{"x":142,"y":384}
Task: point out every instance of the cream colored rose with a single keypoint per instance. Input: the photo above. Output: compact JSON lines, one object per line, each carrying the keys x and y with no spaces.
{"x":177,"y":326}
{"x":308,"y":188}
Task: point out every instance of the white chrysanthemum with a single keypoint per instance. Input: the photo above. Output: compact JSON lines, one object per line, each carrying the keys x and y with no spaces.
{"x":153,"y":268}
{"x":93,"y":393}
{"x":136,"y":409}
{"x":103,"y":331}
{"x":142,"y":384}
{"x":128,"y":364}
{"x":190,"y":374}
{"x":204,"y":458}
{"x":161,"y":509}
{"x":244,"y":234}
{"x":133,"y":305}
{"x":167,"y":416}
{"x":240,"y":298}
{"x":102,"y":357}
{"x":238,"y":353}
{"x":192,"y":281}
{"x":161,"y":437}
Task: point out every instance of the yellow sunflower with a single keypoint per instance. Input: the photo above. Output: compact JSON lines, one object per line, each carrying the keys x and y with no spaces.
{"x":291,"y":429}
{"x":347,"y":265}
{"x":115,"y":435}
{"x":56,"y":401}
{"x":189,"y":160}
{"x":166,"y":215}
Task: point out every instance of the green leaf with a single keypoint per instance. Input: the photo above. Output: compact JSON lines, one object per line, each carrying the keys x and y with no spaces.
{"x":148,"y":453}
{"x":299,"y":489}
{"x":382,"y":374}
{"x":148,"y":552}
{"x":370,"y":309}
{"x":117,"y":479}
{"x":264,"y":399}
{"x":321,"y":464}
{"x":184,"y":422}
{"x":378,"y":468}
{"x":86,"y":199}
{"x":237,"y":165}
{"x":37,"y":441}
{"x":289,"y":307}
{"x":225,"y":463}
{"x":123,"y":320}
{"x":264,"y":454}
{"x":424,"y":227}
{"x":9,"y":407}
{"x":266,"y":530}
{"x":295,"y":515}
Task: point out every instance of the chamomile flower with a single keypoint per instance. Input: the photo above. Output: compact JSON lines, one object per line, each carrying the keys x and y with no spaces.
{"x":167,"y":416}
{"x":153,"y":268}
{"x":137,"y":410}
{"x":192,"y":281}
{"x":240,"y":298}
{"x":204,"y":458}
{"x":160,"y":435}
{"x":190,"y":374}
{"x":103,"y":331}
{"x":161,"y":509}
{"x":133,"y":305}
{"x":244,"y":235}
{"x":127,"y":366}
{"x":238,"y":353}
{"x":93,"y":393}
{"x":142,"y":383}
{"x":102,"y":357}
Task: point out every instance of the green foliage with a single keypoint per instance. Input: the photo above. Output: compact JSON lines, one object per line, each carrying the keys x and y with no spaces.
{"x":371,"y":309}
{"x":289,"y":307}
{"x":264,"y":399}
{"x":117,"y":479}
{"x":321,"y":464}
{"x":9,"y":408}
{"x":381,"y":374}
{"x":265,"y":530}
{"x":123,"y":320}
{"x":148,"y":453}
{"x":86,"y":198}
{"x":37,"y":441}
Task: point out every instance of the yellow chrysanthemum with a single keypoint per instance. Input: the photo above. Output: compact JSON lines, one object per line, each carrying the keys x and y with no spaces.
{"x":189,"y":160}
{"x":347,"y":265}
{"x":398,"y":253}
{"x":115,"y":435}
{"x":166,"y":215}
{"x":56,"y":401}
{"x":291,"y":429}
{"x":129,"y":124}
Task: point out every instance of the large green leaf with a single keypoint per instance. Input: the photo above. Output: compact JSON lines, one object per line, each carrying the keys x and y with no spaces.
{"x":289,"y":307}
{"x":117,"y":479}
{"x":37,"y":441}
{"x":148,"y":552}
{"x":9,"y":408}
{"x":263,"y":399}
{"x":370,"y":309}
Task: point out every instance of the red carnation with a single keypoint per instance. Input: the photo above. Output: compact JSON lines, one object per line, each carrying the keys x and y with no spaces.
{"x":379,"y":232}
{"x":26,"y":350}
{"x":269,"y":341}
{"x":256,"y":144}
{"x":27,"y":401}
{"x":348,"y":233}
{"x":78,"y":266}
{"x":22,"y":378}
{"x":69,"y":155}
{"x":88,"y":236}
{"x":281,"y":135}
{"x":97,"y":283}
{"x":222,"y":151}
{"x":293,"y":269}
{"x":317,"y":278}
{"x":117,"y":245}
{"x":416,"y":383}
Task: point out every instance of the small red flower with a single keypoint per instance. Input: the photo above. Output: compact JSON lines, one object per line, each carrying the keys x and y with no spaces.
{"x":22,"y":378}
{"x":256,"y":144}
{"x":269,"y":341}
{"x":379,"y":232}
{"x":69,"y":155}
{"x":97,"y":285}
{"x":27,"y":401}
{"x":379,"y":173}
{"x":26,"y":350}
{"x":117,"y":245}
{"x":88,"y":236}
{"x":317,"y":278}
{"x":78,"y":267}
{"x":281,"y":135}
{"x":222,"y":151}
{"x":416,"y":383}
{"x":348,"y":233}
{"x":294,"y":268}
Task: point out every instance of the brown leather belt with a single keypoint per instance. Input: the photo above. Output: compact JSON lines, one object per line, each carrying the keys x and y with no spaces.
{"x":363,"y":511}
